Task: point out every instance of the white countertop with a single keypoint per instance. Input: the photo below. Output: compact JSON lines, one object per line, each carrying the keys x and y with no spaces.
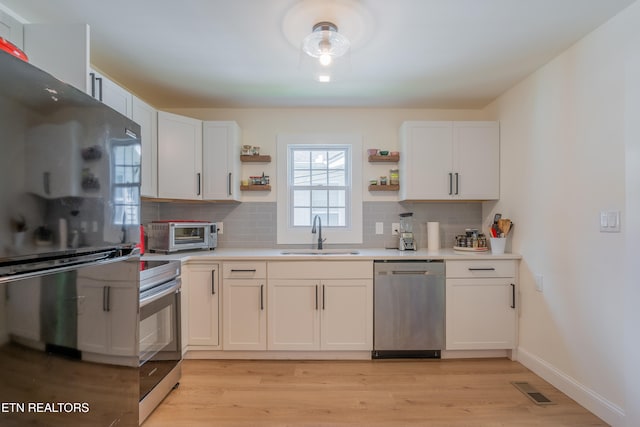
{"x":363,"y":254}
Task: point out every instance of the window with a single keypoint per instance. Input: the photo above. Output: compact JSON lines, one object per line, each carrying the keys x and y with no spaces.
{"x":320,"y":176}
{"x":126,"y":184}
{"x":318,"y":182}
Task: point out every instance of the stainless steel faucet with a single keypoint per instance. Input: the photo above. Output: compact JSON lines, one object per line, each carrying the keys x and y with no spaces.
{"x":313,"y":230}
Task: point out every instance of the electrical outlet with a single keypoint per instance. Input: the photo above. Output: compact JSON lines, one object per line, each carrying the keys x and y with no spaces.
{"x":538,"y":280}
{"x":220,"y":227}
{"x":395,"y":228}
{"x":379,"y":228}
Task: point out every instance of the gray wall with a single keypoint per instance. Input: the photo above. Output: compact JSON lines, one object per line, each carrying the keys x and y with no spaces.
{"x":253,"y":224}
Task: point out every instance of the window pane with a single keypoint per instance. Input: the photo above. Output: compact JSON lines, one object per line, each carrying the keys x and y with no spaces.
{"x":301,"y":217}
{"x":322,"y":213}
{"x":301,"y":178}
{"x":319,"y":159}
{"x":336,"y":177}
{"x":319,"y":177}
{"x":337,"y":198}
{"x":302,"y":198}
{"x":319,"y":198}
{"x":336,"y":159}
{"x":301,"y":159}
{"x":337,"y":217}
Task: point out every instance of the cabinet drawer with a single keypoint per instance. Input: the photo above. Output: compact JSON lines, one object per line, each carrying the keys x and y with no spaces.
{"x":244,"y":270}
{"x":481,"y":268}
{"x":321,"y":270}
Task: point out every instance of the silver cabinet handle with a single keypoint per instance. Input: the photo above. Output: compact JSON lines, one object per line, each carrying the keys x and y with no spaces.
{"x":249,"y":270}
{"x":419,"y":273}
{"x":457,"y":183}
{"x":106,"y":291}
{"x":482,"y":268}
{"x":450,"y":183}
{"x":99,"y":79}
{"x":513,"y":295}
{"x":93,"y":84}
{"x":261,"y":297}
{"x":316,"y":297}
{"x":213,"y":282}
{"x":229,"y":185}
{"x":323,"y":296}
{"x":198,"y":183}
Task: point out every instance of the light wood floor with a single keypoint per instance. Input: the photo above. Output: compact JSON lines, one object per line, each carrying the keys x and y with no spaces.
{"x":362,"y":393}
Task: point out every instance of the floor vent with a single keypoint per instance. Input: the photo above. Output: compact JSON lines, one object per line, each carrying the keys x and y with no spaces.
{"x":533,"y":394}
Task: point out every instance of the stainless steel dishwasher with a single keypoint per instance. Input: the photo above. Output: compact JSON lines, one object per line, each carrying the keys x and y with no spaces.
{"x":409,"y":304}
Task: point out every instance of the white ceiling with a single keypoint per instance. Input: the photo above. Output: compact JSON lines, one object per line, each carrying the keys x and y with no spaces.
{"x":245,"y":53}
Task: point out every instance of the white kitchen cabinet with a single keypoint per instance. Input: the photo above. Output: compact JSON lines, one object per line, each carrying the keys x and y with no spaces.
{"x":320,"y":306}
{"x":203,"y":305}
{"x":11,"y":29}
{"x":62,"y":50}
{"x":106,"y":313}
{"x":221,"y":161}
{"x":481,"y":311}
{"x":147,"y":117}
{"x":105,"y":90}
{"x":179,"y":157}
{"x":244,"y":306}
{"x":450,"y":161}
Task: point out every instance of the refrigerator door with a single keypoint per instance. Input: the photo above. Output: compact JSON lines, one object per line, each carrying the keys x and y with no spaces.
{"x":71,"y":165}
{"x":71,"y":338}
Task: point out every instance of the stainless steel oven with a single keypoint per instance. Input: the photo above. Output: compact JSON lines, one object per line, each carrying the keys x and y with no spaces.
{"x":160,"y":343}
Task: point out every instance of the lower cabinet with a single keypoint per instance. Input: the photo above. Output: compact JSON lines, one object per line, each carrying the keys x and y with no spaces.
{"x":244,"y":306}
{"x":203,"y":304}
{"x":320,"y":306}
{"x":481,"y":309}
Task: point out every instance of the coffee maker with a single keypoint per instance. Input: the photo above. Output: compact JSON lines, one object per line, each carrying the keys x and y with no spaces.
{"x":407,"y":242}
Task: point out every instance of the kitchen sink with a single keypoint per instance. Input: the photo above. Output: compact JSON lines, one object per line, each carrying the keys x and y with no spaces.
{"x":320,"y":252}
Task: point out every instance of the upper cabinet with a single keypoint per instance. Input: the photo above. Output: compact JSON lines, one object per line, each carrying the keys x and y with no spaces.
{"x":450,"y":161}
{"x":196,"y":160}
{"x":221,"y":161}
{"x":179,"y":157}
{"x":110,"y":93}
{"x":62,"y":50}
{"x":147,"y":117}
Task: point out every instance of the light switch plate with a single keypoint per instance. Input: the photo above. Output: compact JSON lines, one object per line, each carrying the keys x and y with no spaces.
{"x":379,"y":228}
{"x":610,"y":221}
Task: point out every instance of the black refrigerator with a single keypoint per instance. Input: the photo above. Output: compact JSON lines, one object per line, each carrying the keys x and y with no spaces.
{"x":69,"y":263}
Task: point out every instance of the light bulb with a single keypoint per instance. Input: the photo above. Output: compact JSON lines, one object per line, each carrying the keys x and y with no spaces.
{"x":324,"y":78}
{"x":325,"y":59}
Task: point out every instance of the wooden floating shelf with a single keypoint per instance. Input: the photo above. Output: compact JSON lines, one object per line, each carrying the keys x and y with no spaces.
{"x":255,"y":159}
{"x":387,"y":159}
{"x":384,"y":187}
{"x":255,"y":187}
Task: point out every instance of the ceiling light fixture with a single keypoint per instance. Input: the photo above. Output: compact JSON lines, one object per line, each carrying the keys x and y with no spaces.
{"x":327,"y":46}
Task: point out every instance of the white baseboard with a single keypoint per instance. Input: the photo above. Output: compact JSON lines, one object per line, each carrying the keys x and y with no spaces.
{"x":609,"y":412}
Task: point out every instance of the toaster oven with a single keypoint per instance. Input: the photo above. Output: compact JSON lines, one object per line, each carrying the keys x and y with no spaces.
{"x":172,"y":236}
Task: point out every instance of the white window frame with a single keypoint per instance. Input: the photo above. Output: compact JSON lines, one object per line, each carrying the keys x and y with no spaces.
{"x":352,"y":234}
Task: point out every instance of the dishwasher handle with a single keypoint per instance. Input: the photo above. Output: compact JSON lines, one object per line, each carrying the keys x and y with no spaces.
{"x":416,"y":273}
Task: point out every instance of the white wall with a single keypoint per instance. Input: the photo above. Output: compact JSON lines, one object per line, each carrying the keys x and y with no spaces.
{"x":563,"y":146}
{"x":379,"y":129}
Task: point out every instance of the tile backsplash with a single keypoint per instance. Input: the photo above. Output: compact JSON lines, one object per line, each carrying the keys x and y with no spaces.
{"x":253,"y":224}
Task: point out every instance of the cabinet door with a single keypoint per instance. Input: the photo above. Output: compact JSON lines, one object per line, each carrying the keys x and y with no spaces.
{"x":147,"y":117}
{"x":476,"y":153}
{"x":93,"y":319}
{"x":481,"y":314}
{"x":426,"y":163}
{"x":179,"y":157}
{"x":62,"y":50}
{"x":221,"y":161}
{"x":294,"y":314}
{"x":347,"y":315}
{"x":106,"y":90}
{"x":123,"y":312}
{"x":204,"y":310}
{"x":244,"y":309}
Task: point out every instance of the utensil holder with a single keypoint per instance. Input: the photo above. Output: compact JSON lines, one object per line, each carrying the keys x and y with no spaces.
{"x":497,"y":245}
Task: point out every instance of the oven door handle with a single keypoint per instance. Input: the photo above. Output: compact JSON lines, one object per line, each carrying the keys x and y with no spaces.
{"x":167,"y":289}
